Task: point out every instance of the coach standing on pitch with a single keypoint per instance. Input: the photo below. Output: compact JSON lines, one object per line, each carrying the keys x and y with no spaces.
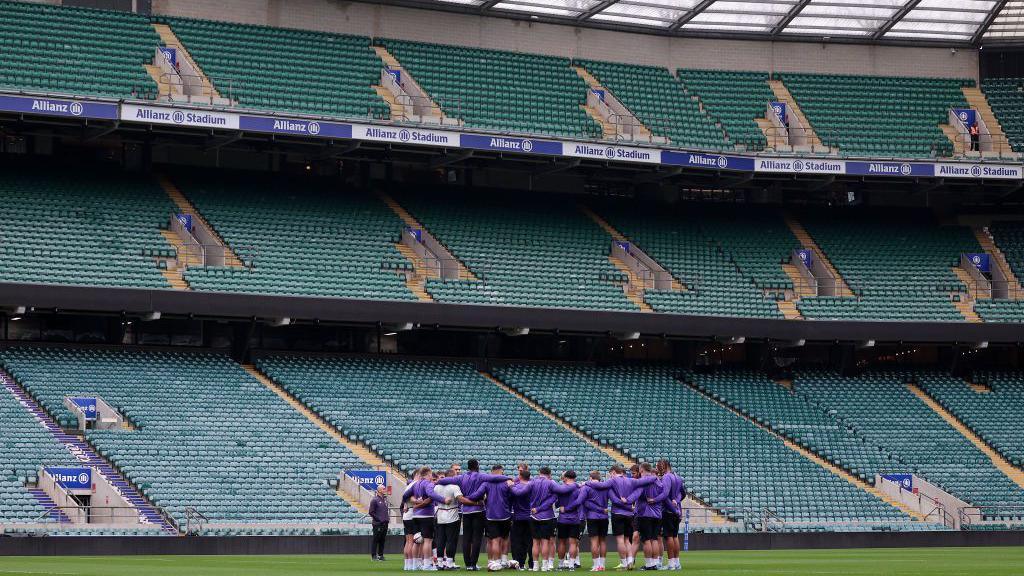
{"x":379,"y":518}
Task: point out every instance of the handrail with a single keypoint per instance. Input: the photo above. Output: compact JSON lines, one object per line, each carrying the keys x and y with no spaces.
{"x":195,"y":521}
{"x":210,"y":88}
{"x":87,"y":513}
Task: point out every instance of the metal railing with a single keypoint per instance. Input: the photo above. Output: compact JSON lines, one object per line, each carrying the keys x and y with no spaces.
{"x":210,"y":87}
{"x":974,"y":517}
{"x":195,"y":521}
{"x":779,"y":139}
{"x":92,"y":515}
{"x":439,"y":108}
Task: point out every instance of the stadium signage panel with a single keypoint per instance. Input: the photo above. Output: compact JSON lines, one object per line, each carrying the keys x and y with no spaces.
{"x":800,"y":165}
{"x":179,"y":116}
{"x":506,"y":144}
{"x":57,"y":107}
{"x":71,"y":478}
{"x":87,"y":406}
{"x":295,"y":126}
{"x":709,"y":161}
{"x":405,"y":135}
{"x":890,"y":169}
{"x":598,"y":151}
{"x":906,"y":481}
{"x":203,"y":118}
{"x":368,"y":479}
{"x":998,"y":171}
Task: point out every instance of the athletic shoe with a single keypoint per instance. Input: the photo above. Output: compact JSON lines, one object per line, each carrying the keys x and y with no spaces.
{"x":514,"y":565}
{"x":621,"y":566}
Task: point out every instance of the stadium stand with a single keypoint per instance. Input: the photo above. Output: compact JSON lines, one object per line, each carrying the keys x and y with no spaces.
{"x":298,"y":237}
{"x":193,"y":444}
{"x":909,"y":430}
{"x":89,"y":227}
{"x":871,"y":249}
{"x":727,"y":260}
{"x":879,"y":116}
{"x":768,"y":402}
{"x":991,"y":409}
{"x":499,"y":90}
{"x":37,"y":42}
{"x":660,"y":101}
{"x":424,"y":427}
{"x":734,"y":99}
{"x":297,"y":71}
{"x":543,"y":253}
{"x":27,"y":447}
{"x":1006,"y":98}
{"x":735,"y":467}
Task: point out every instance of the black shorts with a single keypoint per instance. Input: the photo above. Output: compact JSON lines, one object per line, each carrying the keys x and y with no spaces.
{"x":598,"y":528}
{"x":622,"y":525}
{"x":409,"y":526}
{"x":669,"y":525}
{"x":543,"y":529}
{"x":425,"y":526}
{"x":498,"y":528}
{"x":568,"y":531}
{"x":650,"y":528}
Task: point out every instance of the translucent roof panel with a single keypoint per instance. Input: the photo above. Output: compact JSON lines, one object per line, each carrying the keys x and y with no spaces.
{"x":1008,"y":24}
{"x":952,"y":22}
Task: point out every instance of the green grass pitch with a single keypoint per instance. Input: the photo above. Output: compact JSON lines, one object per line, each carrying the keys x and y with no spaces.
{"x":866,"y":562}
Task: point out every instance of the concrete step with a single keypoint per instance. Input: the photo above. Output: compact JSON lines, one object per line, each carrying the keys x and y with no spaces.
{"x":789,"y":310}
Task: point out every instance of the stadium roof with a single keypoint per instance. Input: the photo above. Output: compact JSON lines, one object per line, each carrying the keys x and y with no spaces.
{"x":947,"y":22}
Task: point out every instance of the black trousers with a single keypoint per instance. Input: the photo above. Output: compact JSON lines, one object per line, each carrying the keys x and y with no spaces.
{"x":380,"y":534}
{"x":521,"y":542}
{"x":446,"y":539}
{"x":473,"y":537}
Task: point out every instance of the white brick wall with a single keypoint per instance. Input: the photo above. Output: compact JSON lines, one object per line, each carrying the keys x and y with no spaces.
{"x":507,"y":34}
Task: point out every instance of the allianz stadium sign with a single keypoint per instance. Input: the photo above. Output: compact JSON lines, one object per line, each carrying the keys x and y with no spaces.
{"x":192,"y":117}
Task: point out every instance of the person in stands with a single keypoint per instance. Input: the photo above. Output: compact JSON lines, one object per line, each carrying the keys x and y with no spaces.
{"x":974,"y":137}
{"x":379,"y":517}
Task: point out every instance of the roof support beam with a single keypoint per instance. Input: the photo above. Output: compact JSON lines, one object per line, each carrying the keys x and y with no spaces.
{"x":987,"y":22}
{"x":793,"y":13}
{"x":690,"y":15}
{"x":896,"y":17}
{"x":600,"y":6}
{"x":488,"y":5}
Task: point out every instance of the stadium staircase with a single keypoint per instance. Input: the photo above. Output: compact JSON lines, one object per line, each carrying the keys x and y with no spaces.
{"x":170,"y":39}
{"x":84,"y":453}
{"x":1002,"y":464}
{"x":809,"y":455}
{"x":399,"y":110}
{"x":185,"y":207}
{"x":634,"y":288}
{"x":783,"y":95}
{"x":977,"y":100}
{"x":176,"y":275}
{"x":958,"y":141}
{"x":989,"y":246}
{"x":964,"y":301}
{"x":608,"y":128}
{"x":617,"y":455}
{"x":412,"y":222}
{"x":800,"y":290}
{"x":44,"y":500}
{"x":365,"y":454}
{"x":842,"y":289}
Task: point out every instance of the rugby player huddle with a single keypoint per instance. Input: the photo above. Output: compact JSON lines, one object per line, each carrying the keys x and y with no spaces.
{"x":532,"y":517}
